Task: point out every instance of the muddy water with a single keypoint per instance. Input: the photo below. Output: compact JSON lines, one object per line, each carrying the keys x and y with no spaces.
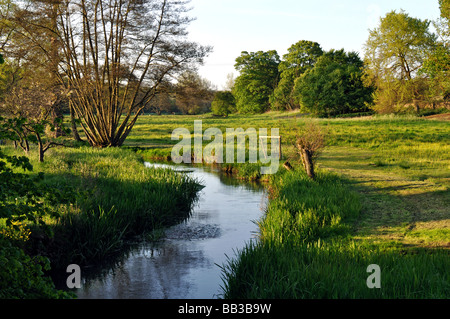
{"x":185,"y":264}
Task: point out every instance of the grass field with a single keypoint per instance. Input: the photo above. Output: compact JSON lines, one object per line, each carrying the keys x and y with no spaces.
{"x":401,"y":165}
{"x":382,"y":197}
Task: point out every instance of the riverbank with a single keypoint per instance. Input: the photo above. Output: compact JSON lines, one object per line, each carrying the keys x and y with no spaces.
{"x":394,"y":168}
{"x":116,"y":199}
{"x":309,"y":249}
{"x":391,"y":175}
{"x":182,"y":264}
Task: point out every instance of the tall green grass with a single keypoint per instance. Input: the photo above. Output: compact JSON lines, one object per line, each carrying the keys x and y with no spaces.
{"x":333,"y":270}
{"x":306,"y":250}
{"x":302,"y":210}
{"x":118,"y":198}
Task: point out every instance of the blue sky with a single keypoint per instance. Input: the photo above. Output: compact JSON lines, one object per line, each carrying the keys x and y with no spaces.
{"x":232,"y":26}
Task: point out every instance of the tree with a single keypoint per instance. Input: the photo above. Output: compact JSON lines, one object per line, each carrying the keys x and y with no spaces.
{"x":437,"y":63}
{"x":437,"y":67}
{"x":335,"y":85}
{"x":308,"y":144}
{"x":114,"y":55}
{"x":29,"y":110}
{"x":300,"y":57}
{"x":442,"y":24}
{"x":223,"y":103}
{"x":395,"y":51}
{"x":257,"y":79}
{"x":193,"y":94}
{"x":164,"y":100}
{"x":18,"y":40}
{"x":229,"y":84}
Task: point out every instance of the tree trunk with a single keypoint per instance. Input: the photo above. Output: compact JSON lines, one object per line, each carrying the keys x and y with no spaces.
{"x":41,"y":153}
{"x":56,"y":113}
{"x":416,"y":106}
{"x":75,"y":134}
{"x":308,"y":163}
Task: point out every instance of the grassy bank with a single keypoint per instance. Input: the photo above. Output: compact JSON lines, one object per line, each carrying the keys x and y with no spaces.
{"x":116,"y":199}
{"x":308,"y":249}
{"x":381,"y":198}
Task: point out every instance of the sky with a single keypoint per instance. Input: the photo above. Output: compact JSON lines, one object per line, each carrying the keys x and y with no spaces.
{"x":233,"y":26}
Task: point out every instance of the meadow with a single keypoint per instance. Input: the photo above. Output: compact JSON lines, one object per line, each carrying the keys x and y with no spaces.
{"x":381,"y":198}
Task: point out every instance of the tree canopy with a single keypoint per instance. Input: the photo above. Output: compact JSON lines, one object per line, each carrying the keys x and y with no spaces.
{"x":223,"y":103}
{"x":257,"y":80}
{"x":301,"y":57}
{"x":395,"y":52}
{"x":335,"y":85}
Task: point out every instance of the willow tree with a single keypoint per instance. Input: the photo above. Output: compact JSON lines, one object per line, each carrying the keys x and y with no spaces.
{"x":395,"y":52}
{"x":116,"y":55}
{"x":111,"y":56}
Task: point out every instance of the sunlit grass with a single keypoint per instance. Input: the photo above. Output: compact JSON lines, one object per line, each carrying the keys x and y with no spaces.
{"x":117,"y":198}
{"x":382,"y":198}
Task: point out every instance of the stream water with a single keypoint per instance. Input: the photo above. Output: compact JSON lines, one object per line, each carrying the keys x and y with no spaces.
{"x":185,"y":263}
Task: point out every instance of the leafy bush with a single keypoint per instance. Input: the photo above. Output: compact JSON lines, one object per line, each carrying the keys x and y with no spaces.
{"x":335,"y":85}
{"x":223,"y":104}
{"x":22,"y":198}
{"x":23,"y":277}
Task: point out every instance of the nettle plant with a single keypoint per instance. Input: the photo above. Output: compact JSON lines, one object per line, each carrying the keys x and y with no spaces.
{"x":23,"y":197}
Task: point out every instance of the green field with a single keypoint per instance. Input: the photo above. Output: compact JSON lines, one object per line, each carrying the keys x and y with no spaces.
{"x":399,"y":165}
{"x":381,"y":197}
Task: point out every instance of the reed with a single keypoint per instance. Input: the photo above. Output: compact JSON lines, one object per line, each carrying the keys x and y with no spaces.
{"x":307,"y":249}
{"x":117,"y":199}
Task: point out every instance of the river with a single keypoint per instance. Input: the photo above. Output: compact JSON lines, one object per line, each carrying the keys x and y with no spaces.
{"x":185,"y":263}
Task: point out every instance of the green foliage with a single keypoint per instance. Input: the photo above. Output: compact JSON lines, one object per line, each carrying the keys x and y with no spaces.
{"x":300,"y":57}
{"x":444,"y":6}
{"x":395,"y":52}
{"x":223,"y":104}
{"x":23,"y":277}
{"x":24,"y":198}
{"x":437,"y":63}
{"x":257,"y":80}
{"x":335,"y":85}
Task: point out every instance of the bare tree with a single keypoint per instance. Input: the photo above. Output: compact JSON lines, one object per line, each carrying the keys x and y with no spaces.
{"x":116,"y":55}
{"x":164,"y":100}
{"x":193,"y":93}
{"x":308,"y":144}
{"x":112,"y":55}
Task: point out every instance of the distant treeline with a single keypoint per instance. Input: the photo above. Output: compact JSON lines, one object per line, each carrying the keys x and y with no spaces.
{"x":405,"y":68}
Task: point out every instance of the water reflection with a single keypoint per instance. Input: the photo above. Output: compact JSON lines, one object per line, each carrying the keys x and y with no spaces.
{"x":185,"y":264}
